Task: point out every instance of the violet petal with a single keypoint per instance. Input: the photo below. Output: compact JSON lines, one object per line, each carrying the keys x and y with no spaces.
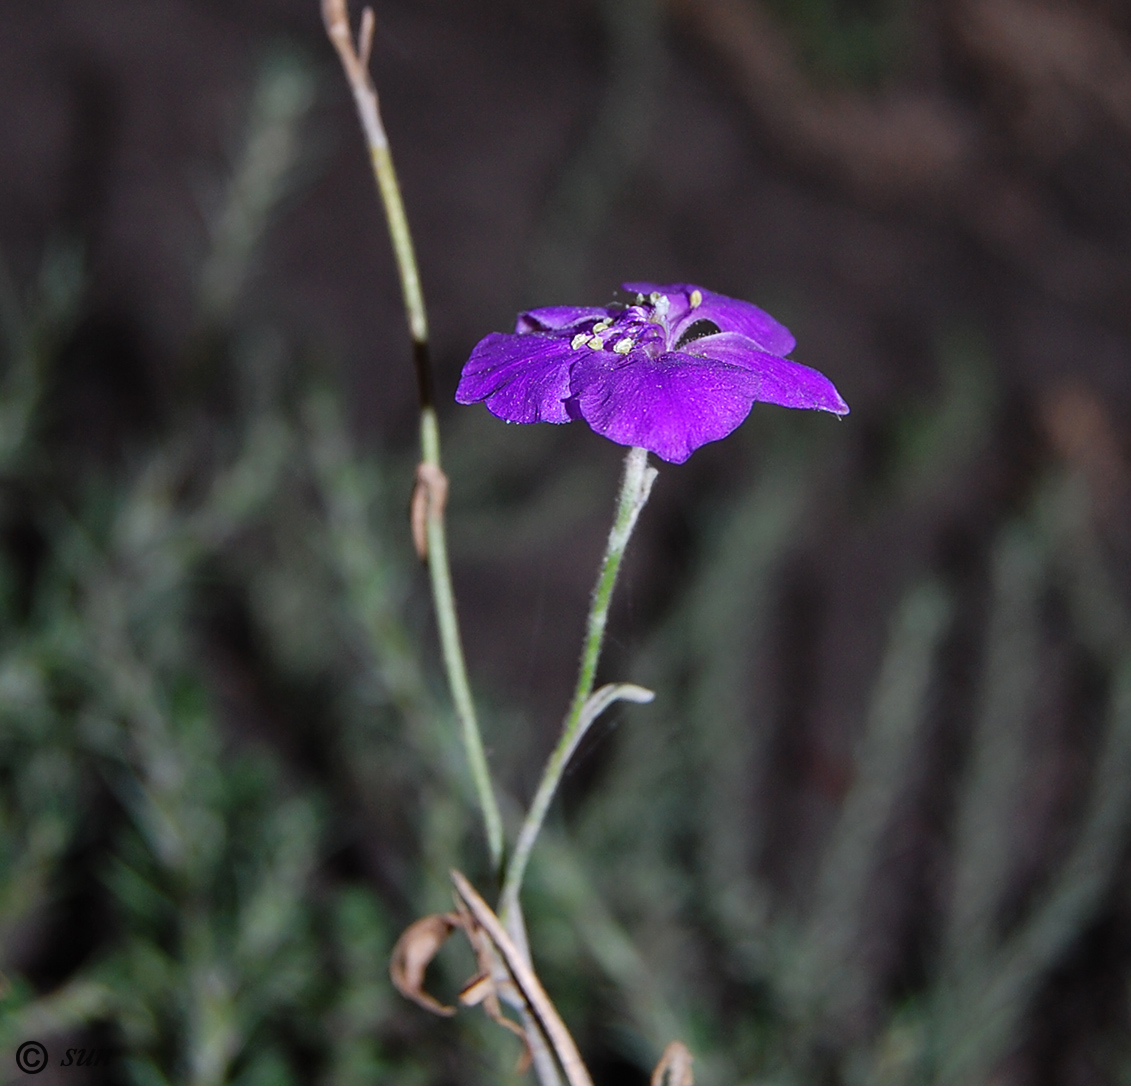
{"x":556,"y":318}
{"x":521,"y":378}
{"x":732,"y":315}
{"x":780,"y":380}
{"x":669,"y":405}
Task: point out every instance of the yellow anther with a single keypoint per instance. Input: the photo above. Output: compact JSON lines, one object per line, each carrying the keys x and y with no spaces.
{"x":696,"y":298}
{"x":578,"y":340}
{"x":654,"y":297}
{"x":623,"y":346}
{"x":596,"y":343}
{"x":601,"y":325}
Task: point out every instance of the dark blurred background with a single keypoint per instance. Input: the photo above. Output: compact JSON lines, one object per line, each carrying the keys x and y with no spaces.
{"x":874,"y":828}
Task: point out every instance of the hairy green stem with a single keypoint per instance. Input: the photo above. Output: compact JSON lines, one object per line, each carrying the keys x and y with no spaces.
{"x":354,"y":61}
{"x":636,"y":484}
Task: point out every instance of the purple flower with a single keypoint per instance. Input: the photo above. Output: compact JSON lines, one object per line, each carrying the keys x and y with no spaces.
{"x":676,"y":368}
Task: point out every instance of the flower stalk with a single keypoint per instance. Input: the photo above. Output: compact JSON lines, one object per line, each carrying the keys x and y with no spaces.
{"x":431,"y":481}
{"x":586,"y":706}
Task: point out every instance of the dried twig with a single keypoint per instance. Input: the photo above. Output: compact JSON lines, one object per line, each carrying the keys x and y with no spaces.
{"x":502,"y":971}
{"x":526,"y":983}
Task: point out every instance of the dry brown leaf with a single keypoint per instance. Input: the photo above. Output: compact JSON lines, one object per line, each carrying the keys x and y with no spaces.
{"x":421,"y":942}
{"x":674,"y":1068}
{"x":429,"y":497}
{"x":415,"y":949}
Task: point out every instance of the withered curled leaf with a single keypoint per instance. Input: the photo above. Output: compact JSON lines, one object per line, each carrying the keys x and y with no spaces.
{"x":421,"y":942}
{"x":417,"y":947}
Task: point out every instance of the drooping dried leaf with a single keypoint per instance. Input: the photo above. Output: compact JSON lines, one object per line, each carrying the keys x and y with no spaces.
{"x":414,"y":951}
{"x":674,"y":1068}
{"x":422,"y":941}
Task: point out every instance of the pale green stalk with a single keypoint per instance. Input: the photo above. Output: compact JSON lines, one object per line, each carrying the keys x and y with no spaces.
{"x":355,"y":63}
{"x":586,"y":706}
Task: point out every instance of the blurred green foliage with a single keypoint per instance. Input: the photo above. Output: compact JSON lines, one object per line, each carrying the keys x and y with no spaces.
{"x":859,"y":42}
{"x":177,"y":861}
{"x":215,"y":895}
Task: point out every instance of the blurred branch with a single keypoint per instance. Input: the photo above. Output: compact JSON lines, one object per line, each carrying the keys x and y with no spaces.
{"x":616,"y":140}
{"x":830,"y":978}
{"x":72,"y":1005}
{"x":988,"y":986}
{"x":282,"y":97}
{"x":886,"y":147}
{"x":1061,"y":58}
{"x":374,"y":592}
{"x":564,"y":876}
{"x":986,"y":809}
{"x":28,"y":333}
{"x":721,"y":630}
{"x":357,"y":552}
{"x":917,"y":151}
{"x":983,"y":1017}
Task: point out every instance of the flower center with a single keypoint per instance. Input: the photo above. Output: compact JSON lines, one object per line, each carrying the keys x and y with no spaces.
{"x":642,"y":326}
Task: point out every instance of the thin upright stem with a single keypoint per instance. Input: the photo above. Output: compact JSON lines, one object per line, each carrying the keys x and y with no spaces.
{"x":636,"y":484}
{"x":434,"y":483}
